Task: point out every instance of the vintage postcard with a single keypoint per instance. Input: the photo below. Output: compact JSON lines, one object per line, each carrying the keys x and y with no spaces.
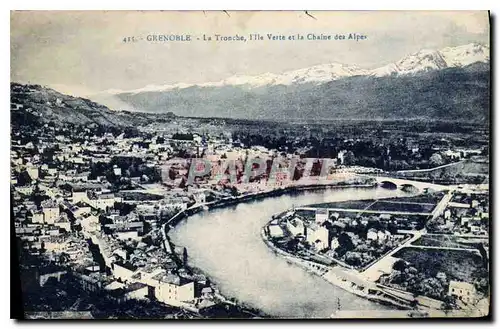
{"x":250,"y":164}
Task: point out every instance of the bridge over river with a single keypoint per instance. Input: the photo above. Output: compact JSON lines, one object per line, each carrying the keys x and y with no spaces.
{"x":394,"y":183}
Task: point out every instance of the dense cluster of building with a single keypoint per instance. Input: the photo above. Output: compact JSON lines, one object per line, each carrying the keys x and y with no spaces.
{"x":466,"y":214}
{"x":80,"y":213}
{"x":92,"y":204}
{"x":354,"y":241}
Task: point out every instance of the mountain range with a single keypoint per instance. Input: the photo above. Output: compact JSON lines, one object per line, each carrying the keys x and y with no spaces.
{"x":448,"y":84}
{"x":452,"y":84}
{"x":423,"y":61}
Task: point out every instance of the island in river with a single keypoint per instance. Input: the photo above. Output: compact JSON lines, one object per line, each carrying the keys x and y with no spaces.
{"x":380,"y":249}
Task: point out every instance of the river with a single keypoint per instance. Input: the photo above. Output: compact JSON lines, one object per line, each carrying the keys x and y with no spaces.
{"x":227,"y":245}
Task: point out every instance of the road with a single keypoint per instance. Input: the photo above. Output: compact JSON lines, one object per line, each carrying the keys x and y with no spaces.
{"x":441,"y":206}
{"x":373,"y":272}
{"x":444,"y":248}
{"x":362,"y":314}
{"x":429,"y":169}
{"x":404,"y":213}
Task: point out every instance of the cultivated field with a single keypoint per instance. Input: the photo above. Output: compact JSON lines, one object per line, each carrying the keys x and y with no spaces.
{"x":457,"y":264}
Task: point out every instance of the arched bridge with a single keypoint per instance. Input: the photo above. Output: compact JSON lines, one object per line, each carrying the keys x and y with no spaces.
{"x":408,"y":185}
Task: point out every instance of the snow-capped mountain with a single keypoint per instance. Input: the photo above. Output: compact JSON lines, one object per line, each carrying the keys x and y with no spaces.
{"x":314,"y":74}
{"x":430,"y":60}
{"x":465,"y":55}
{"x":421,"y":61}
{"x":424,"y":60}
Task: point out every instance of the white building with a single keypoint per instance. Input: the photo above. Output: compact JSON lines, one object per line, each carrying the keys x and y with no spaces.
{"x":63,"y":222}
{"x":50,"y":212}
{"x":372,"y":235}
{"x":103,"y":201}
{"x":334,"y":243}
{"x":123,"y":271}
{"x":317,"y":235}
{"x":295,"y":226}
{"x":382,"y":235}
{"x":168,"y":288}
{"x":464,"y":291}
{"x":33,"y":172}
{"x":172,"y":289}
{"x":79,"y":196}
{"x":321,"y":215}
{"x":117,"y":171}
{"x":275,"y":231}
{"x":37,"y":217}
{"x":90,"y":223}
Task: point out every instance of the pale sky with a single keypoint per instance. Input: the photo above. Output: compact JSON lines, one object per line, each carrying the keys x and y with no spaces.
{"x":83,"y":53}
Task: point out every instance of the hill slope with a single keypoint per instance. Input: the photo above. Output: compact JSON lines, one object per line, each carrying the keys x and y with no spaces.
{"x":34,"y":103}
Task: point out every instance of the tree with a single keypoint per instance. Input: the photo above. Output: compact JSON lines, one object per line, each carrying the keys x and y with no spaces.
{"x":449,"y":303}
{"x":184,"y":256}
{"x":292,"y":244}
{"x":353,"y":258}
{"x":431,"y":287}
{"x":484,"y":255}
{"x":349,"y":159}
{"x":436,"y":160}
{"x":234,"y":191}
{"x":412,"y":270}
{"x":345,"y":244}
{"x":481,"y":279}
{"x":399,"y":265}
{"x":63,"y":258}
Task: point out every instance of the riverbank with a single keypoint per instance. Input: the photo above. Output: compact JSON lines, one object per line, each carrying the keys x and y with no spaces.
{"x":232,"y":201}
{"x":339,"y":277}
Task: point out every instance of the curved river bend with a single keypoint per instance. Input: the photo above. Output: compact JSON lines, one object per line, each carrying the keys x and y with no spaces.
{"x":226,"y":244}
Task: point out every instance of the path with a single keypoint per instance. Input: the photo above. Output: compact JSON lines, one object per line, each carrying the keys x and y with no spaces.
{"x":374,"y":271}
{"x":404,"y":213}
